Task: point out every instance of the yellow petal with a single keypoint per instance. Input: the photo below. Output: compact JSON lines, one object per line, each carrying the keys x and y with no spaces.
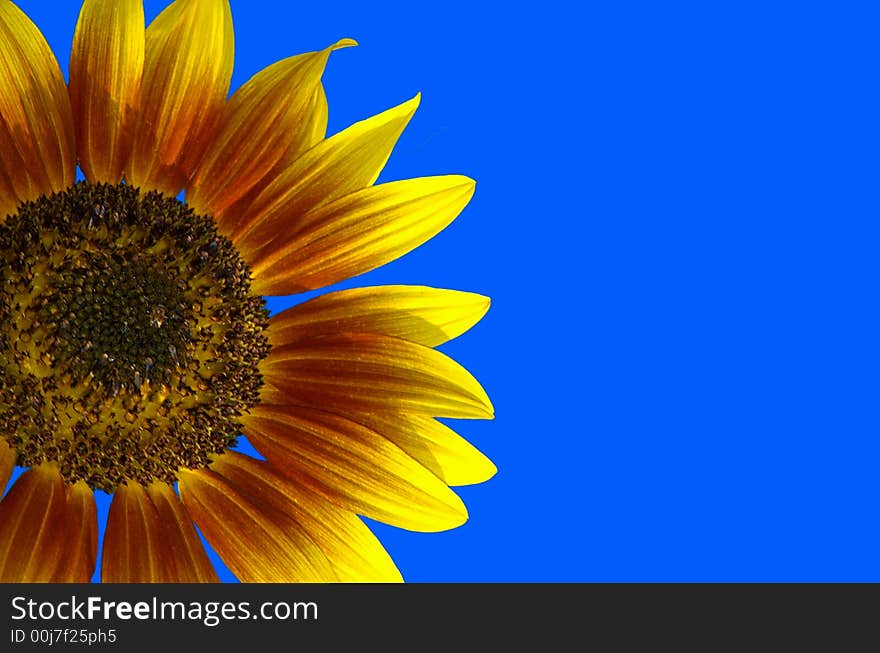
{"x":312,"y":131}
{"x":132,"y":541}
{"x":354,"y":552}
{"x":7,"y":463}
{"x":345,"y":162}
{"x":315,"y":126}
{"x":187,"y":70}
{"x":33,"y":527}
{"x":261,"y":125}
{"x":428,"y":316}
{"x":360,"y":232}
{"x":353,"y":467}
{"x":436,"y":446}
{"x":106,"y":64}
{"x":187,"y":558}
{"x":36,"y":126}
{"x":350,"y":373}
{"x":81,"y":543}
{"x":258,"y":543}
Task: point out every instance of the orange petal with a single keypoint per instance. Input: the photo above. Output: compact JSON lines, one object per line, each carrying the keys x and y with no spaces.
{"x":184,"y":550}
{"x":428,"y":316}
{"x":261,"y":125}
{"x":33,"y":527}
{"x":7,"y":463}
{"x":358,"y":233}
{"x":37,"y":153}
{"x":106,"y":64}
{"x":354,"y":552}
{"x":187,"y":69}
{"x":257,"y":542}
{"x":312,"y":130}
{"x":353,"y":467}
{"x":132,"y":540}
{"x":345,"y":162}
{"x":81,"y":544}
{"x":350,"y":373}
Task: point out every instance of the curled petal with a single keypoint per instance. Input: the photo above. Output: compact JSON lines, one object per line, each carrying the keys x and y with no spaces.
{"x":265,"y":122}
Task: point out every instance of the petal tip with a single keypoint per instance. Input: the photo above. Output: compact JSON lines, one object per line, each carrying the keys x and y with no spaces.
{"x":467,"y":184}
{"x":461,"y":516}
{"x":486,"y":408}
{"x":491,"y":470}
{"x":478,"y":306}
{"x":455,"y":515}
{"x":487,"y":471}
{"x":343,"y":43}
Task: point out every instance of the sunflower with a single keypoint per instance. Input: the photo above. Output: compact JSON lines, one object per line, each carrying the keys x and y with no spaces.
{"x":135,"y":346}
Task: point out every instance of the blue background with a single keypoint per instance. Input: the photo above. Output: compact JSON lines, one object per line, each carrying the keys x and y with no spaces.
{"x":676,"y":220}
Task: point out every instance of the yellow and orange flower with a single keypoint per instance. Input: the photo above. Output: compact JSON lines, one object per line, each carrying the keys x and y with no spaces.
{"x":134,"y":342}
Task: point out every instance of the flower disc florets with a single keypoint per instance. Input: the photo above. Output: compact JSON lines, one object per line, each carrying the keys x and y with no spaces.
{"x":129,"y":337}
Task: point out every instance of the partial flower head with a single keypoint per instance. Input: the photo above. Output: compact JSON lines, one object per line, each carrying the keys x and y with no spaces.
{"x":135,"y":346}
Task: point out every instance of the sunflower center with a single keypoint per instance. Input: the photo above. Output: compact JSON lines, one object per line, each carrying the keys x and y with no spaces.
{"x":124,"y":322}
{"x":129,"y":337}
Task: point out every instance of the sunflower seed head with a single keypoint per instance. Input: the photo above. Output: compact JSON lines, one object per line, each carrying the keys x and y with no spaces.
{"x":129,"y":337}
